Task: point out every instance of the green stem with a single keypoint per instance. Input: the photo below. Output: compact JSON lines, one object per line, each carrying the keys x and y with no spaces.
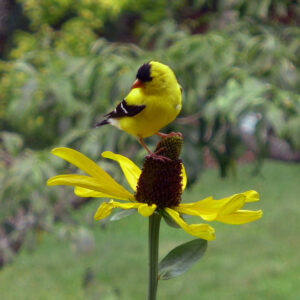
{"x":154,"y":222}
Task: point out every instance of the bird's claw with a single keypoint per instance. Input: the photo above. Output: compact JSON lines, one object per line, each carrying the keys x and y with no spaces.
{"x":166,"y":135}
{"x":158,"y":157}
{"x":179,"y":134}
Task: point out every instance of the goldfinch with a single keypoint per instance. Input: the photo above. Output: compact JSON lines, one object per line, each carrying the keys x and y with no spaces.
{"x":153,"y":102}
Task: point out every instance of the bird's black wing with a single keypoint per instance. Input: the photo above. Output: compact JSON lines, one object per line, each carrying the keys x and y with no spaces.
{"x":122,"y":110}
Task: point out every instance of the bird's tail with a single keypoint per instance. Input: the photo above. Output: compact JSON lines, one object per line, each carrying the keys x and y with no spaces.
{"x":104,"y":122}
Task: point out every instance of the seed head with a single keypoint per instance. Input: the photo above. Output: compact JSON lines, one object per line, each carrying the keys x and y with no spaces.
{"x":161,"y":181}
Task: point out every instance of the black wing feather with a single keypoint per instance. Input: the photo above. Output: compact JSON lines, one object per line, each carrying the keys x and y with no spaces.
{"x":122,"y":110}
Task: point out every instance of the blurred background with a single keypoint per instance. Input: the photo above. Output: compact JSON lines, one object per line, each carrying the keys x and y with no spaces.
{"x":65,"y":63}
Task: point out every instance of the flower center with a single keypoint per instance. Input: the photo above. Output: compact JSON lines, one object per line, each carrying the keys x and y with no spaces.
{"x":161,"y":182}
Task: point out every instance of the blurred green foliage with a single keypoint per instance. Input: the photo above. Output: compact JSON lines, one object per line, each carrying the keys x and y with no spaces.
{"x":77,"y":59}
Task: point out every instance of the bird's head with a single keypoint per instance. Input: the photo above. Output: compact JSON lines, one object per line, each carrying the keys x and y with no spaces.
{"x":155,"y":77}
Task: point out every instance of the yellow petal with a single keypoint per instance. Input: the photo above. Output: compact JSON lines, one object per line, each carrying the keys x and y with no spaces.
{"x":208,"y":209}
{"x":128,"y":205}
{"x":240,"y":217}
{"x":233,"y":204}
{"x":82,"y":162}
{"x":207,"y":215}
{"x":251,"y":196}
{"x":88,"y":166}
{"x":131,"y":171}
{"x":86,"y":193}
{"x":203,"y":231}
{"x":209,"y":204}
{"x":91,"y":183}
{"x":184,"y":178}
{"x":105,"y":209}
{"x":145,"y":210}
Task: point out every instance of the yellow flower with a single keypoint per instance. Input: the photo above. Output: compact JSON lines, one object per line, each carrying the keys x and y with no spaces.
{"x":100,"y":184}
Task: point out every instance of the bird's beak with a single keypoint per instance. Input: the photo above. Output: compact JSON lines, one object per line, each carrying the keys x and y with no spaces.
{"x":136,"y":84}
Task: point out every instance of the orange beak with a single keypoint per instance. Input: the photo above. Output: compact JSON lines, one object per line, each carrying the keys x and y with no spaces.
{"x":137,"y":84}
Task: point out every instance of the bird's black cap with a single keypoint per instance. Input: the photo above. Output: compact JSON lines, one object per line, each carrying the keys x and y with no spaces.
{"x":143,"y":73}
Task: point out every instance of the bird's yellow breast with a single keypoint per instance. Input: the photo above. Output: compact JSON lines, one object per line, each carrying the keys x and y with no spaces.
{"x":160,"y":110}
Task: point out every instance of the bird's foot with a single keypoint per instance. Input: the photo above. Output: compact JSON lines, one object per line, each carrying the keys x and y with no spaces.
{"x":165,"y":135}
{"x":158,"y":157}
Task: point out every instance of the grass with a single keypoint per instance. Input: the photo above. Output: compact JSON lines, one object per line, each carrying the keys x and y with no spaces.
{"x":260,"y":260}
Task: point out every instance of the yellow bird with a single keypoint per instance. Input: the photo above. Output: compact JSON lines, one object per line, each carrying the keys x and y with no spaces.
{"x":153,"y":102}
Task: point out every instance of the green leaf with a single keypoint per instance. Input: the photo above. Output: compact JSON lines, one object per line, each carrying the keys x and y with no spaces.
{"x":122,"y":214}
{"x":181,"y":258}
